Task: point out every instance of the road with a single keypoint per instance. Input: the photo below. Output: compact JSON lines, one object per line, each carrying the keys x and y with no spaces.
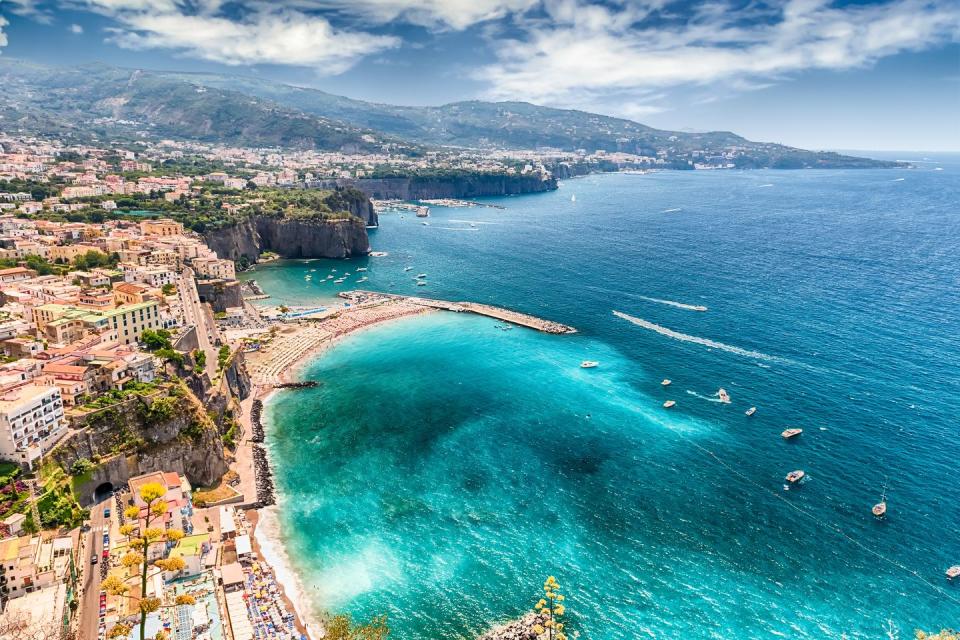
{"x":195,"y":314}
{"x":93,"y":543}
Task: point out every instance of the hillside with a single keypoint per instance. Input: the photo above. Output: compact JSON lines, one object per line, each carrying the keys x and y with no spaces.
{"x":109,"y":102}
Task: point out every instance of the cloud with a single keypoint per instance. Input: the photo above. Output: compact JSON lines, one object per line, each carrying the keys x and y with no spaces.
{"x":450,"y":14}
{"x":261,"y":35}
{"x":3,"y":35}
{"x":583,"y":53}
{"x":76,"y":28}
{"x":29,"y":9}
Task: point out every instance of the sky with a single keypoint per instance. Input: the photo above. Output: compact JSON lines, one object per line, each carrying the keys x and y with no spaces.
{"x":849,"y":74}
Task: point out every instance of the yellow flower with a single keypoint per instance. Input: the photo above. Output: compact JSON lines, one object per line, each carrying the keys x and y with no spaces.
{"x":537,"y":629}
{"x":560,"y":597}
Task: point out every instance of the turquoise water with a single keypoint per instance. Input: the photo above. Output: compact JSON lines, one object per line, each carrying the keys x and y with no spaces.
{"x":445,"y":466}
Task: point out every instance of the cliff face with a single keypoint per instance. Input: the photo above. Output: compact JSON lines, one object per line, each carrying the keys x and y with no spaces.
{"x":164,"y":432}
{"x":292,"y":238}
{"x":297,"y":238}
{"x":470,"y":186}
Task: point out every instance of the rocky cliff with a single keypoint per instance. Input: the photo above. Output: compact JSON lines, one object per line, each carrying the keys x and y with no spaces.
{"x":166,"y":431}
{"x":452,"y":186}
{"x":291,"y":238}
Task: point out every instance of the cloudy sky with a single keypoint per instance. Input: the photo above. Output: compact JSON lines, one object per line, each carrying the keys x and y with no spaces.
{"x":851,"y":74}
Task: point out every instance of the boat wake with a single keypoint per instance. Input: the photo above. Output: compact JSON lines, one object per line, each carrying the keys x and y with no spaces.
{"x":764,"y":185}
{"x":703,"y":397}
{"x":672,"y":303}
{"x":472,"y":221}
{"x":458,"y":228}
{"x":672,"y":210}
{"x":898,"y":180}
{"x":683,"y":337}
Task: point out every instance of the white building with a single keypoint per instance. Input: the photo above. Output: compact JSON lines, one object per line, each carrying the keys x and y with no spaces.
{"x":31,"y":422}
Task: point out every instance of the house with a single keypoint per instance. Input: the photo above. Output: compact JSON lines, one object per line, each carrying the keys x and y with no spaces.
{"x":31,"y":422}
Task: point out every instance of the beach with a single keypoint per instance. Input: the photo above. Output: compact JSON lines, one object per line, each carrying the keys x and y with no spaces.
{"x":279,"y":361}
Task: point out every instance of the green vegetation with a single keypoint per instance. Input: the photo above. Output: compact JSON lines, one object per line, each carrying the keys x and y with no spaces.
{"x":341,"y":627}
{"x":58,"y":508}
{"x":223,"y":356}
{"x":200,"y":358}
{"x":168,"y":290}
{"x":156,"y":340}
{"x":161,"y":409}
{"x":115,"y":396}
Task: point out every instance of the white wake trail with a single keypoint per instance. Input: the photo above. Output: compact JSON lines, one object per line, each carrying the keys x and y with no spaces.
{"x":673,"y":303}
{"x":683,"y":337}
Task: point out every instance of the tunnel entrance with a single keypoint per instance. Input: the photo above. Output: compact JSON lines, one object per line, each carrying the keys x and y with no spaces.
{"x":103,"y":491}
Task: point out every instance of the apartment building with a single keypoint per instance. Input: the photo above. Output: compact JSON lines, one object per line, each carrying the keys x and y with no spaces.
{"x":31,"y":422}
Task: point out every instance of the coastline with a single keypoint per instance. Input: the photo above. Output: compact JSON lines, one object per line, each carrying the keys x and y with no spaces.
{"x":252,"y":459}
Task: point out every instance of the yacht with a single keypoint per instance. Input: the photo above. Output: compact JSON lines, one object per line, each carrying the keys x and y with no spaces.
{"x":880,"y":509}
{"x":666,"y":382}
{"x":588,"y":364}
{"x":791,"y":433}
{"x":669,"y":403}
{"x":796,"y":476}
{"x":750,"y":411}
{"x":724,"y":396}
{"x":953,"y":572}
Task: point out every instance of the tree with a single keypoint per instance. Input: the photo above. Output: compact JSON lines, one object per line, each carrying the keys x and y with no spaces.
{"x":156,"y":340}
{"x":169,"y":289}
{"x":200,"y":357}
{"x":341,"y":627}
{"x":551,"y":607}
{"x":140,"y":542}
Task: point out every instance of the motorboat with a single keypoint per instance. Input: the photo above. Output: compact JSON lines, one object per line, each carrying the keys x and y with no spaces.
{"x":791,"y":433}
{"x":724,"y":396}
{"x":796,"y":476}
{"x":749,"y":412}
{"x":588,"y":364}
{"x":669,"y":403}
{"x":666,"y":382}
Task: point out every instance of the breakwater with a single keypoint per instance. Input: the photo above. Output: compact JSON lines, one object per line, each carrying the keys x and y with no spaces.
{"x":505,"y":315}
{"x":256,"y":426}
{"x":262,"y":474}
{"x":305,"y":384}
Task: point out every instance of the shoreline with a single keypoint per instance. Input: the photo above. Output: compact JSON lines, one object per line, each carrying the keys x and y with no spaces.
{"x":252,"y":460}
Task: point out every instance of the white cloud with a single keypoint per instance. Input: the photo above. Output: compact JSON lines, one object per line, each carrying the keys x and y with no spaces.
{"x":76,"y":28}
{"x":261,"y":36}
{"x":586,"y":52}
{"x":3,"y":35}
{"x":30,"y":9}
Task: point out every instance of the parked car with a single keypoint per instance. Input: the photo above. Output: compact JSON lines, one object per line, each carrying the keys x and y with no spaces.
{"x":106,"y":512}
{"x":106,"y":554}
{"x":93,"y":559}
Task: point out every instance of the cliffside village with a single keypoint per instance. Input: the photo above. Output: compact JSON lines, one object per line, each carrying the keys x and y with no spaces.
{"x":76,"y":302}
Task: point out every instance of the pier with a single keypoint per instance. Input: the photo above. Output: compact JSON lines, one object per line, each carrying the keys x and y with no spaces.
{"x":498,"y":313}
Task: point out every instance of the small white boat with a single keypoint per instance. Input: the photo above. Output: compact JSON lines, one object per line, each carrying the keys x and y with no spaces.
{"x":669,"y":403}
{"x":363,"y":279}
{"x":791,"y":433}
{"x":426,"y":224}
{"x":724,"y":396}
{"x":588,"y":364}
{"x":329,"y":277}
{"x":421,"y":283}
{"x":795,"y":476}
{"x":953,"y":572}
{"x":750,"y":411}
{"x":573,"y":198}
{"x":421,"y":275}
{"x":339,"y":280}
{"x":359,"y":269}
{"x":879,"y":509}
{"x":408,"y":268}
{"x":666,"y":382}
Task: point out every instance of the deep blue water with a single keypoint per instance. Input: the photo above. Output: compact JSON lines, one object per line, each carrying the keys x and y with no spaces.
{"x":445,"y":467}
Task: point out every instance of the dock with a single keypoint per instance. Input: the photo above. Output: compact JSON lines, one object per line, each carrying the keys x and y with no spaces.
{"x":498,"y":313}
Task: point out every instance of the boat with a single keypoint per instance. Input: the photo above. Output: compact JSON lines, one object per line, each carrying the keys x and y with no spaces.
{"x":426,"y":224}
{"x":791,"y":433}
{"x":421,"y":283}
{"x":363,"y":279}
{"x":880,"y":509}
{"x":724,"y":396}
{"x":408,"y":268}
{"x":361,"y":269}
{"x":750,"y":411}
{"x":666,"y":382}
{"x":669,"y":403}
{"x":573,"y":198}
{"x":588,"y":364}
{"x":330,"y":277}
{"x":421,"y":275}
{"x":796,"y":476}
{"x":953,"y":572}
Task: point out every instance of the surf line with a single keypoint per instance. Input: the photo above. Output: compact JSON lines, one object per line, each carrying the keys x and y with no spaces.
{"x":678,"y":305}
{"x":713,"y":344}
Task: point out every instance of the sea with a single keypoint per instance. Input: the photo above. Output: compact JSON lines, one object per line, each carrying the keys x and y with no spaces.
{"x":447,"y":464}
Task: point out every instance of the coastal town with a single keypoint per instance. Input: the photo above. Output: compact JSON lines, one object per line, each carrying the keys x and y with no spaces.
{"x":117,"y":319}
